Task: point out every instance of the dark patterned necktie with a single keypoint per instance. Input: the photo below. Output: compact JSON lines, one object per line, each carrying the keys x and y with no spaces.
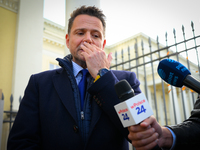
{"x":82,"y":86}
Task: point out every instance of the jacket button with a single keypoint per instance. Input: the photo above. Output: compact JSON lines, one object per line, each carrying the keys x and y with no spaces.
{"x":75,"y":128}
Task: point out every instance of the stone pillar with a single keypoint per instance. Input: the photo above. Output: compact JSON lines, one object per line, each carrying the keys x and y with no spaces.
{"x":28,"y":46}
{"x":71,"y":5}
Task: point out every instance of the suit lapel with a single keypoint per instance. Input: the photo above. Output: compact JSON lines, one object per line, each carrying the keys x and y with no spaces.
{"x":64,"y":89}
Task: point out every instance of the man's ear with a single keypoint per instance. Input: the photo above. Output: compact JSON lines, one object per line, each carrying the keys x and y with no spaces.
{"x":67,"y":40}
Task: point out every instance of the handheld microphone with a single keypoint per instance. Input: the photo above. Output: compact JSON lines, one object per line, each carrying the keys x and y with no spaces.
{"x":132,"y":109}
{"x":124,"y":90}
{"x":176,"y":74}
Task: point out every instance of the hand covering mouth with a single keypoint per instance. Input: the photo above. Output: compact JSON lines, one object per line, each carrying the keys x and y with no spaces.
{"x":80,"y":48}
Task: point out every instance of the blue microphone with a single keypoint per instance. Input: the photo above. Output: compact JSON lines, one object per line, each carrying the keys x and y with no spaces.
{"x":176,"y":74}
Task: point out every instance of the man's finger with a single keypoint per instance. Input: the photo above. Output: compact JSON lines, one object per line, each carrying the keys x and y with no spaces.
{"x":148,"y":121}
{"x":142,"y":134}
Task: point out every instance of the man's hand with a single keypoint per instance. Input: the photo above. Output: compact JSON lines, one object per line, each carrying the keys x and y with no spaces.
{"x":145,"y":135}
{"x":95,"y":58}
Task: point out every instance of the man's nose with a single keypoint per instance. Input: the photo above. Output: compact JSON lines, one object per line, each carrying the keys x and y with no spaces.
{"x":87,"y":38}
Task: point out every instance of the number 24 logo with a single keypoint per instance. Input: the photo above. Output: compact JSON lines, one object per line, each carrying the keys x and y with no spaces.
{"x":125,"y":116}
{"x":140,"y":110}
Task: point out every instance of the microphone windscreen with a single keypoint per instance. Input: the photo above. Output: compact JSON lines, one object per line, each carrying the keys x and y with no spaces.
{"x":124,"y":90}
{"x":172,"y":72}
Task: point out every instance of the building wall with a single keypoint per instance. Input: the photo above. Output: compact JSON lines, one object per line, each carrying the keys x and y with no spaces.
{"x":7,"y":44}
{"x":53,"y":44}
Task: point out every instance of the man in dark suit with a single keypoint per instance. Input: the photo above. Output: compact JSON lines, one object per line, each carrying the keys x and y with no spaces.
{"x":182,"y":136}
{"x":51,"y":113}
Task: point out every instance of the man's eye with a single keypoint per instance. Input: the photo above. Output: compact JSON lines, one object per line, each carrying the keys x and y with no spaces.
{"x":80,"y":33}
{"x":96,"y":35}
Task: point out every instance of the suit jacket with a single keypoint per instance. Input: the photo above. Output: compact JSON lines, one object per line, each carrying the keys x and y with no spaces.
{"x":188,"y":132}
{"x":47,"y":116}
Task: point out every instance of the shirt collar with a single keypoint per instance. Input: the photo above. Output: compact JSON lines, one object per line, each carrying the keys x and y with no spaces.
{"x":76,"y":68}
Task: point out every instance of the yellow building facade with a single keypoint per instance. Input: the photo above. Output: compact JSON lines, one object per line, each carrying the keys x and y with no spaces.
{"x":7,"y":44}
{"x":8,"y":17}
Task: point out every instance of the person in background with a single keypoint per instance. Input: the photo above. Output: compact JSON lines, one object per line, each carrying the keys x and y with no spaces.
{"x":72,"y":108}
{"x":183,"y":136}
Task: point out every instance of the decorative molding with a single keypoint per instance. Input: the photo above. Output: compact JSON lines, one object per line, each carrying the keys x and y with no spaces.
{"x":11,"y":5}
{"x":53,"y":42}
{"x":53,"y":33}
{"x":54,"y":25}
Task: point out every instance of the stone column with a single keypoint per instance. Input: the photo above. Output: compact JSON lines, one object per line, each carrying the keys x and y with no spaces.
{"x":28,"y":46}
{"x":71,"y":5}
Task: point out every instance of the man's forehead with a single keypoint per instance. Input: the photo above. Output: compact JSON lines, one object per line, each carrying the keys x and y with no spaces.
{"x":86,"y":21}
{"x":86,"y":29}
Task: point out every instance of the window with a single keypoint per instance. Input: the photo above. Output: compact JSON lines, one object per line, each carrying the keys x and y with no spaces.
{"x":53,"y":66}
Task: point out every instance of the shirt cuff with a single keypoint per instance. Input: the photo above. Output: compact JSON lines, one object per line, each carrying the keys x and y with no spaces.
{"x":174,"y":138}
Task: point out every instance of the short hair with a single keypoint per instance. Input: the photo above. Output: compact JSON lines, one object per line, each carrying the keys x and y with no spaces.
{"x":91,"y":11}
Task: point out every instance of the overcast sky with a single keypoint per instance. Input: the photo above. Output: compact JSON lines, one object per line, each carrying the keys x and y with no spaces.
{"x":126,"y":18}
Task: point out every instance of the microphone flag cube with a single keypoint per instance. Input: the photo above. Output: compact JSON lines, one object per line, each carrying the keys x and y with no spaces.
{"x":134,"y":110}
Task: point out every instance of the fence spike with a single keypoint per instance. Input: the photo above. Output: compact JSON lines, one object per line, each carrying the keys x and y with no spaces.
{"x":183,"y":28}
{"x":136,"y":41}
{"x":158,"y":44}
{"x":174,"y":31}
{"x":20,"y":99}
{"x":166,"y":38}
{"x":149,"y":41}
{"x":142,"y":44}
{"x":116,"y":59}
{"x":192,"y":25}
{"x":11,"y":99}
{"x":135,"y":47}
{"x":128,"y":50}
{"x":129,"y":54}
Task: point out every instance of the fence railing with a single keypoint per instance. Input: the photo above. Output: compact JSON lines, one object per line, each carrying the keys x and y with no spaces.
{"x":10,"y":114}
{"x":166,"y":100}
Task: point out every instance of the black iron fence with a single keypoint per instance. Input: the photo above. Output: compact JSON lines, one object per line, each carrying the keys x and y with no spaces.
{"x":10,"y":114}
{"x":176,"y":103}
